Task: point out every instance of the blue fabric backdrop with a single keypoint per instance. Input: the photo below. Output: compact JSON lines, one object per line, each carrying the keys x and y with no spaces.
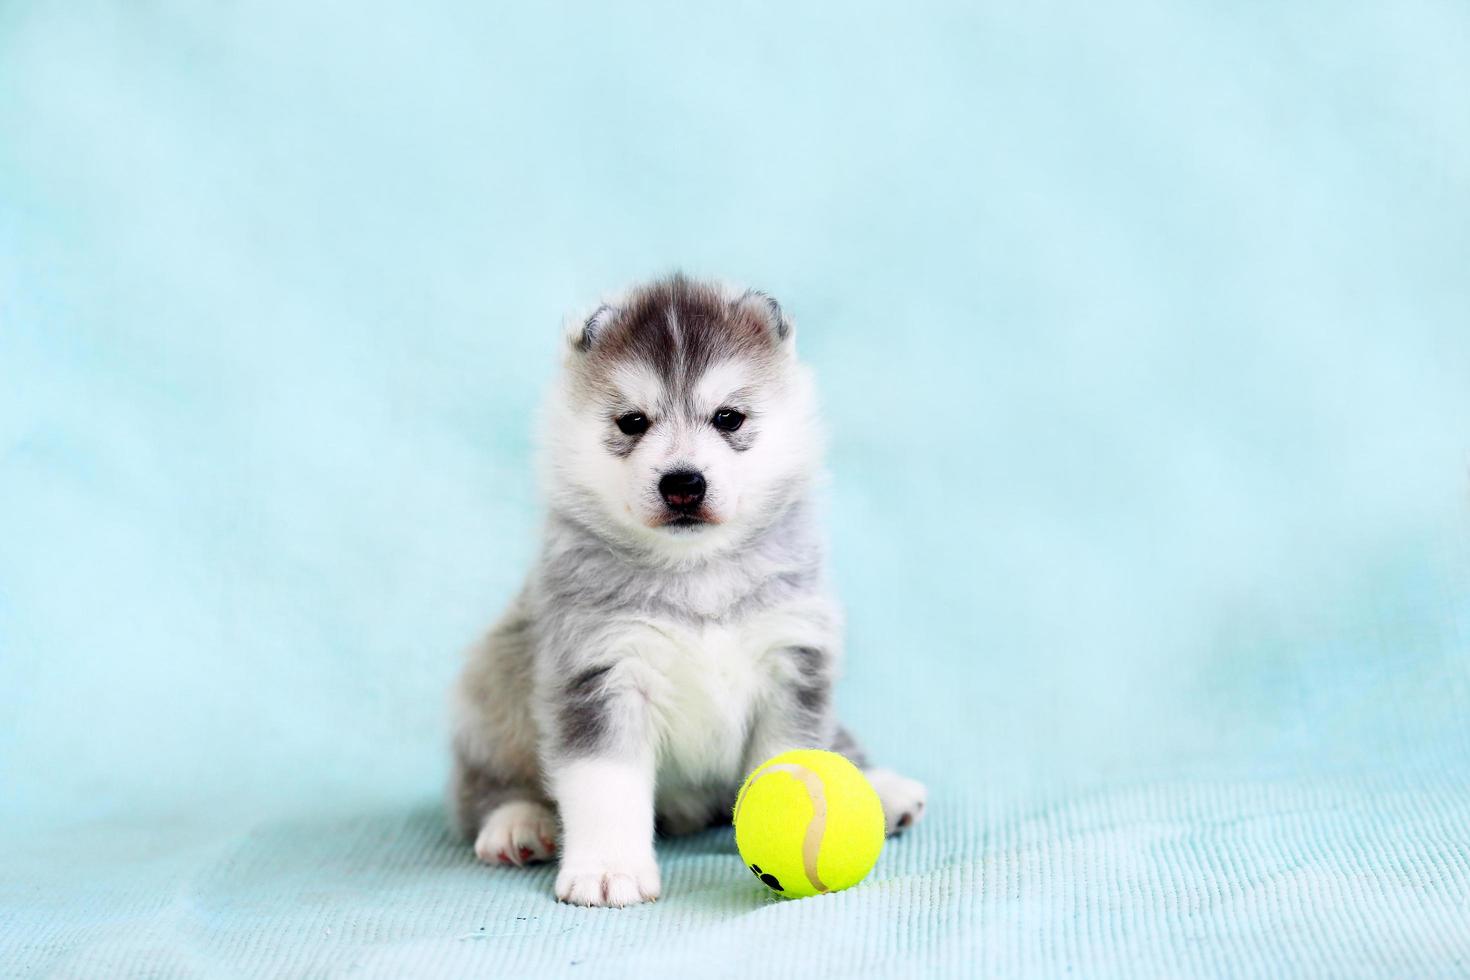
{"x":1144,"y":334}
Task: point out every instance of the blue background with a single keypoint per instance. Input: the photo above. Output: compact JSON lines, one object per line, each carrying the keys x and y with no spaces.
{"x":1143,"y":332}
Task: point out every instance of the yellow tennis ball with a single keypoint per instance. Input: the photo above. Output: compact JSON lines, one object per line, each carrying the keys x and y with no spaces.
{"x":808,"y":822}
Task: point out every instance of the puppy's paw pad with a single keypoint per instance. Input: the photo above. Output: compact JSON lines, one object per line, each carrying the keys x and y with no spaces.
{"x":903,"y":799}
{"x":520,"y":832}
{"x":608,"y":887}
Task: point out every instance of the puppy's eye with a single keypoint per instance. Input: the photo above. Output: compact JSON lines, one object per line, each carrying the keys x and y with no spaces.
{"x":633,"y":423}
{"x":727,"y":420}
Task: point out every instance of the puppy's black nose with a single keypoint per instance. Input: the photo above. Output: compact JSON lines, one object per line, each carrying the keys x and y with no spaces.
{"x":682,"y":489}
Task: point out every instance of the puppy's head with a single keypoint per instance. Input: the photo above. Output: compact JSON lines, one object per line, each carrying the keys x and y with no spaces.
{"x":682,"y":420}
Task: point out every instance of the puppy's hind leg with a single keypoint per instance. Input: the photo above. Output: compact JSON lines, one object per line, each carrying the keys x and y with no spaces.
{"x":903,"y":798}
{"x":509,"y":824}
{"x":493,"y":795}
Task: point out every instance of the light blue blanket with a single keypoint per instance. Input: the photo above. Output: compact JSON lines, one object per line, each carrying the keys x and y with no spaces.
{"x":1143,"y":331}
{"x":1330,"y":876}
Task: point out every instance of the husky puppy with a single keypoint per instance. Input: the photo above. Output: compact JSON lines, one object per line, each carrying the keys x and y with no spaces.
{"x":677,"y":628}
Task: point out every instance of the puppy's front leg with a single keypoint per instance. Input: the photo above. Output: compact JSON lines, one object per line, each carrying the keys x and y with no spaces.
{"x":797,"y":712}
{"x":601,"y":774}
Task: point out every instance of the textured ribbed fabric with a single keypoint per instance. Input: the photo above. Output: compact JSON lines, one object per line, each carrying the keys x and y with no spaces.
{"x":1325,"y":877}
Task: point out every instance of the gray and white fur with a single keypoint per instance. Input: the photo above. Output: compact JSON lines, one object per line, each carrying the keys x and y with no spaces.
{"x":678,"y":627}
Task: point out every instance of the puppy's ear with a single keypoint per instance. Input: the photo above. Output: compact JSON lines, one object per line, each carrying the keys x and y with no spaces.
{"x":765,"y":310}
{"x":584,"y":337}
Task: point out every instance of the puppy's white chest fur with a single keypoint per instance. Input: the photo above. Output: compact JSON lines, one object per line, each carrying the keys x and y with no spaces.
{"x":701,"y":682}
{"x":705,"y":679}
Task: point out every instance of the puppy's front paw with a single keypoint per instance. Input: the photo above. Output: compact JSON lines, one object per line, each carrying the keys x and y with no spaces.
{"x":520,"y":832}
{"x":607,"y":883}
{"x":903,"y":799}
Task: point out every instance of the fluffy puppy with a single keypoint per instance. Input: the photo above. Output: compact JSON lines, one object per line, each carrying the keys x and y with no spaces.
{"x":677,"y":628}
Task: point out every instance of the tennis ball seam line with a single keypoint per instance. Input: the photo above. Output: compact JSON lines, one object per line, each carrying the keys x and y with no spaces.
{"x":811,"y":845}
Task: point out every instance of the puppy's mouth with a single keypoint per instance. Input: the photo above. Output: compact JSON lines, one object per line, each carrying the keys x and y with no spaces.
{"x":677,"y":521}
